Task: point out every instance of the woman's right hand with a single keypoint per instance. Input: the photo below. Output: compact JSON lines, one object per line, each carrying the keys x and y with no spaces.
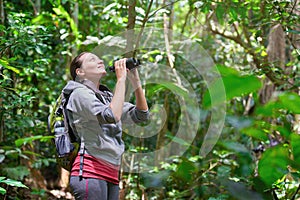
{"x":120,"y":69}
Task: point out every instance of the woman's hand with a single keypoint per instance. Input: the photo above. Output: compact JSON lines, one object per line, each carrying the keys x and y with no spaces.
{"x":134,"y":78}
{"x":120,"y":69}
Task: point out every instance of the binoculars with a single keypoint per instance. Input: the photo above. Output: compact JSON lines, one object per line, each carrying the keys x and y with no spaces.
{"x":130,"y":64}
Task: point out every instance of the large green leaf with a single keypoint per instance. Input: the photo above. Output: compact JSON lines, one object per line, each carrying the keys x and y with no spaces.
{"x":13,"y":183}
{"x":273,"y":164}
{"x":240,"y":85}
{"x":23,"y":141}
{"x":234,"y":83}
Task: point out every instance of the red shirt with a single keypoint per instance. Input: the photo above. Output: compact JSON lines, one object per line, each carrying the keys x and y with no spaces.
{"x":96,"y":168}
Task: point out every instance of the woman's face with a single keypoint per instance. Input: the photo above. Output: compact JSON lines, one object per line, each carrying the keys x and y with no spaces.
{"x":92,"y":67}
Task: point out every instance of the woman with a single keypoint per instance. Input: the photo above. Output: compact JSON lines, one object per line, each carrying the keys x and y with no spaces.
{"x":96,"y":116}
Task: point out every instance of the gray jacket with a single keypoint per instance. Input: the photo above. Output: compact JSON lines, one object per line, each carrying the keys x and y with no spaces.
{"x":93,"y":121}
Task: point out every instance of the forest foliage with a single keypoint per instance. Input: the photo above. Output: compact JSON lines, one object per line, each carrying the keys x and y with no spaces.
{"x":221,"y":79}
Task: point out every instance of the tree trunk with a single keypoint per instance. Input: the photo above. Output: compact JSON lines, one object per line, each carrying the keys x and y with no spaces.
{"x":130,"y":34}
{"x":168,"y":36}
{"x":276,"y":57}
{"x":38,"y":6}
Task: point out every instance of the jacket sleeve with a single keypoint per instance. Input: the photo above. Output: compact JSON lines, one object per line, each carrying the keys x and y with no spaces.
{"x":132,"y":114}
{"x":84,"y":102}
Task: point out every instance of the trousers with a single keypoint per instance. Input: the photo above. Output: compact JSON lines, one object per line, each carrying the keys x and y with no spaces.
{"x":93,"y":189}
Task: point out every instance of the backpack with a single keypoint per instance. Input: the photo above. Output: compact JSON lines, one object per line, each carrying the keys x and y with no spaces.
{"x":67,"y":144}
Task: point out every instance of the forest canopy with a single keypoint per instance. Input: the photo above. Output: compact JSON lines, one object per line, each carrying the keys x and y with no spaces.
{"x":221,"y":79}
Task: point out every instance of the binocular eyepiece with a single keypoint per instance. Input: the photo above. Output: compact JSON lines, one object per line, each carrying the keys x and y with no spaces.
{"x":130,"y":64}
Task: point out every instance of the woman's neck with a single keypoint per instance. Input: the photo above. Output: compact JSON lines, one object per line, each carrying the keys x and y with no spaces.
{"x":90,"y":83}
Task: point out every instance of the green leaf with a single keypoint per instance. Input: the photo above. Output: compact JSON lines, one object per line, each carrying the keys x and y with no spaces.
{"x":290,"y":101}
{"x":233,"y":14}
{"x":226,"y":71}
{"x":255,"y":133}
{"x":44,"y":18}
{"x":23,"y":141}
{"x":235,"y":85}
{"x":14,"y":183}
{"x":16,"y":173}
{"x":220,"y":13}
{"x":60,"y":10}
{"x":295,"y":143}
{"x":185,"y":170}
{"x":2,"y":191}
{"x":286,"y":100}
{"x":284,"y":131}
{"x":239,"y":85}
{"x":6,"y":65}
{"x":273,"y":164}
{"x":269,"y":109}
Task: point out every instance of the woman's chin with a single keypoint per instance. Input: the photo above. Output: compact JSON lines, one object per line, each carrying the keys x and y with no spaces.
{"x":103,"y":74}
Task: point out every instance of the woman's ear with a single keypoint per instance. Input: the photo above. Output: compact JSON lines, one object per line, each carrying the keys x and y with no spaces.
{"x":79,"y":72}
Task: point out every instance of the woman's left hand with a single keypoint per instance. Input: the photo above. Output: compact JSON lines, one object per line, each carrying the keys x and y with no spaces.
{"x":134,"y":78}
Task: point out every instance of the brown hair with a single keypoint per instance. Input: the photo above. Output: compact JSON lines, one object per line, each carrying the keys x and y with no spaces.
{"x":75,"y":64}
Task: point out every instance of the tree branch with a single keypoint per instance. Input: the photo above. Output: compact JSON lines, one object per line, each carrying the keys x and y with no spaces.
{"x":130,"y":27}
{"x":142,"y":28}
{"x":260,"y":64}
{"x":186,"y":19}
{"x":164,"y":6}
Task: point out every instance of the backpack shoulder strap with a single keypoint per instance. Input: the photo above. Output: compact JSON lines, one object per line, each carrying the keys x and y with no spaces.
{"x":73,"y":137}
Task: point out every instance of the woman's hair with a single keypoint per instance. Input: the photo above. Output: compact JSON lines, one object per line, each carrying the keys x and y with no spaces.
{"x":75,"y":64}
